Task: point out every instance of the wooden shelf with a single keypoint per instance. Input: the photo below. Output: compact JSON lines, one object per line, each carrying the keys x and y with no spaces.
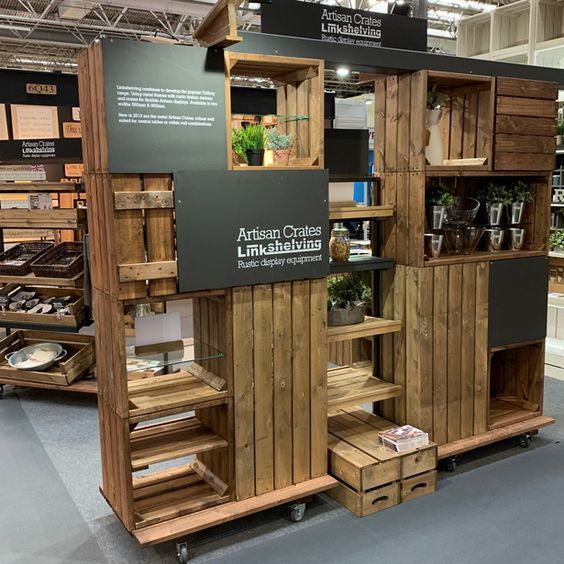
{"x":352,"y":386}
{"x":44,"y":219}
{"x":481,"y":256}
{"x":503,"y":413}
{"x":361,"y":263}
{"x":369,"y":327}
{"x":175,"y":492}
{"x":351,"y":178}
{"x":360,"y":212}
{"x":79,"y":386}
{"x":278,"y":168}
{"x":158,"y":396}
{"x":186,"y":525}
{"x":160,"y":442}
{"x":439,"y":171}
{"x":13,"y":187}
{"x":32,"y":280}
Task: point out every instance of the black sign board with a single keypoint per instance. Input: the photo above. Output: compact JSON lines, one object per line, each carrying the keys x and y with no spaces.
{"x":40,"y":150}
{"x":235,"y":228}
{"x":165,"y":107}
{"x":343,"y":25}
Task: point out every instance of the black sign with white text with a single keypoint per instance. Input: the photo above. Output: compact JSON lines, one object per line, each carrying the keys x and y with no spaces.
{"x":165,"y":107}
{"x":343,"y":25}
{"x":237,"y":228}
{"x":42,"y":150}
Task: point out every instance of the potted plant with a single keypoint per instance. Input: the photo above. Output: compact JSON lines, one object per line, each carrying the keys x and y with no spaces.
{"x":495,"y":196}
{"x":520,"y":195}
{"x":556,"y":240}
{"x":560,"y":133}
{"x":238,"y":147}
{"x":254,"y":137}
{"x":347,"y":297}
{"x":281,"y":146}
{"x":435,"y":103}
{"x":439,"y":197}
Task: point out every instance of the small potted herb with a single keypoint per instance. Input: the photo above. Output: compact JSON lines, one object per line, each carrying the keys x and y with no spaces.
{"x":560,"y":133}
{"x":435,"y":103}
{"x":496,"y":196}
{"x":347,"y":297}
{"x":556,"y":240}
{"x":520,"y":195}
{"x":255,"y":140}
{"x":238,"y":147}
{"x":439,"y":197}
{"x":281,"y":146}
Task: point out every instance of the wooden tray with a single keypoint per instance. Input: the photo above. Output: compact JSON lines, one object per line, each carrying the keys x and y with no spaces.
{"x":74,"y":318}
{"x":79,"y":360}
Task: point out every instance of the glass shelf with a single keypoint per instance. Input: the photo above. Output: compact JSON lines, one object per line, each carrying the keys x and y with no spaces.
{"x":163,"y":355}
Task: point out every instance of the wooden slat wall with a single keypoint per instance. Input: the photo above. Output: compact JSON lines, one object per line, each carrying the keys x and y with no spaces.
{"x":441,"y":355}
{"x":279,"y":385}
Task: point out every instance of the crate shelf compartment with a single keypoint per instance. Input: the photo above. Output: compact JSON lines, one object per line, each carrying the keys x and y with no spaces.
{"x":159,"y":442}
{"x":481,"y":256}
{"x":510,"y":410}
{"x":157,"y":396}
{"x":349,"y":386}
{"x":169,"y":494}
{"x":45,"y":219}
{"x":361,"y":263}
{"x":340,"y":213}
{"x":78,"y":386}
{"x":32,"y":280}
{"x":371,"y":326}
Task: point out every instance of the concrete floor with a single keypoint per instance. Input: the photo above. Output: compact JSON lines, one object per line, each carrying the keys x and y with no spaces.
{"x":504,"y":504}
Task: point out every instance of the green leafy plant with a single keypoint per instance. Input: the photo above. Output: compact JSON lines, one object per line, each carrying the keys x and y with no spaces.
{"x":345,"y":290}
{"x":560,"y":128}
{"x":435,"y":99}
{"x":254,"y":137}
{"x":278,"y":141}
{"x":495,"y":194}
{"x":238,"y":143}
{"x":439,"y":194}
{"x":520,"y":193}
{"x":556,"y":238}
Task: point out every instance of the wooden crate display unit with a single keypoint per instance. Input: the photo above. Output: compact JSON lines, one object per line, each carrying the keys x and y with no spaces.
{"x":299,"y":101}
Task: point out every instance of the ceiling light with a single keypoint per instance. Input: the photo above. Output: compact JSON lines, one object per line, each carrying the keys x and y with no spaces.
{"x":401,"y":8}
{"x":368,"y":102}
{"x":342,"y":72}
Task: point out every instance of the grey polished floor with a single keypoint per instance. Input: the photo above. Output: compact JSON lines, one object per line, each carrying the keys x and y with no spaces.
{"x":503,"y":505}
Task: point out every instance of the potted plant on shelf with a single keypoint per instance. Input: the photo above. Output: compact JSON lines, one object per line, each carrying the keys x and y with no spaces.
{"x":238,"y":147}
{"x":255,"y":140}
{"x":347,"y":297}
{"x":560,"y":133}
{"x":556,"y":240}
{"x":520,"y":195}
{"x":435,"y":103}
{"x":496,"y":196}
{"x":439,"y":197}
{"x":281,"y":146}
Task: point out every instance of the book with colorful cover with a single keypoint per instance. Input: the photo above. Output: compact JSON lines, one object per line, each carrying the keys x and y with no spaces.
{"x":404,"y":438}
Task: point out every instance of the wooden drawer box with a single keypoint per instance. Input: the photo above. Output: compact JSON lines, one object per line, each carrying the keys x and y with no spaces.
{"x":363,"y":504}
{"x":79,"y":359}
{"x":418,"y":486}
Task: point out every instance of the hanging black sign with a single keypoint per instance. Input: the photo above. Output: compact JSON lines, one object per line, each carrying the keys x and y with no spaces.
{"x":165,"y":107}
{"x":40,"y":150}
{"x":235,"y":228}
{"x":343,"y":25}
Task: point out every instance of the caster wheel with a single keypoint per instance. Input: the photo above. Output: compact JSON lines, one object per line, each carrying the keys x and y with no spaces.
{"x":525,"y":440}
{"x":297,"y":512}
{"x":451,"y":465}
{"x":182,"y":552}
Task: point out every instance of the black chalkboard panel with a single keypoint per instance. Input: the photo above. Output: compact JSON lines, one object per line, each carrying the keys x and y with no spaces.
{"x":346,"y":151}
{"x":165,"y":107}
{"x":518,"y":300}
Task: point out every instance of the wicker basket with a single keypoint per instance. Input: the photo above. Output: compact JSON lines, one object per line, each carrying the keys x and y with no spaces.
{"x":17,"y":260}
{"x":64,"y":261}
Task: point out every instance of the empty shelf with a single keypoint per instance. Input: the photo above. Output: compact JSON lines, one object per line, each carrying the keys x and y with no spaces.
{"x":369,"y":327}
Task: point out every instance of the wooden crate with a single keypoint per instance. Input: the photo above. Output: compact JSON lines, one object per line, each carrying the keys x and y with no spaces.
{"x":299,"y":100}
{"x":79,"y":360}
{"x":373,"y":477}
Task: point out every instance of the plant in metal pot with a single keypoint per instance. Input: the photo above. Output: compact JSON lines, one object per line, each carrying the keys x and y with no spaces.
{"x":347,"y":297}
{"x":496,"y":196}
{"x":439,"y":197}
{"x":520,"y":196}
{"x":280,"y":144}
{"x":434,"y":149}
{"x":238,"y":146}
{"x":254,"y":137}
{"x":556,"y":240}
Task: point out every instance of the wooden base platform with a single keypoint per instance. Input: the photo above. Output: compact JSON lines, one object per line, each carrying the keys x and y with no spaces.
{"x":226,"y":512}
{"x":493,"y":436}
{"x":80,"y":386}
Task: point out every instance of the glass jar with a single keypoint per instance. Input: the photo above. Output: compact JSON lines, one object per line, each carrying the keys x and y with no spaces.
{"x":339,"y":244}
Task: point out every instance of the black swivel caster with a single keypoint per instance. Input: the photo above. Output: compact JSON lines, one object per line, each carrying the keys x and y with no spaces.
{"x":525,"y":440}
{"x":1,"y":391}
{"x":451,"y":464}
{"x":297,"y":512}
{"x":182,"y":552}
